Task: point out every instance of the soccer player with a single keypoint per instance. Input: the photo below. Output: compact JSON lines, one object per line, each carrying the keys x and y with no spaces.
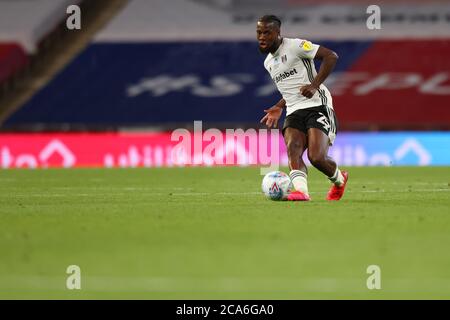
{"x":310,"y":119}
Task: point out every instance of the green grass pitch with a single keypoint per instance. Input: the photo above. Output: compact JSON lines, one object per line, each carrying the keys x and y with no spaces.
{"x":208,"y":233}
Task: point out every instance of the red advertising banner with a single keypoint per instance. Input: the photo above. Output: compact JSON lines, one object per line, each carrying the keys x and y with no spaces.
{"x":83,"y":150}
{"x":180,"y":148}
{"x":212,"y":147}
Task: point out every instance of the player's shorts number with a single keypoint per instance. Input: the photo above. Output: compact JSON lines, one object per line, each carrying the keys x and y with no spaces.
{"x":324,"y":121}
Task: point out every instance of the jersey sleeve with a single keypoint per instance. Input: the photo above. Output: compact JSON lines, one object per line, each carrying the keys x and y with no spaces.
{"x":305,"y":49}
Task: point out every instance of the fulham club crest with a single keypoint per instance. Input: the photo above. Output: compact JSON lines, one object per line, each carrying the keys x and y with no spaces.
{"x":284,"y":59}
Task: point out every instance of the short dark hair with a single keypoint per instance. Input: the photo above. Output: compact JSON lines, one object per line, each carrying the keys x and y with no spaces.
{"x":270,"y":18}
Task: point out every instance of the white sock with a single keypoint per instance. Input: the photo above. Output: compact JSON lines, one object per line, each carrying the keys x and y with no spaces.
{"x":337,"y":178}
{"x":299,"y":180}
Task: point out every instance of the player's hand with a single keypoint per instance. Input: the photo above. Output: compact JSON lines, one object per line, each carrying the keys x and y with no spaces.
{"x":272,"y":116}
{"x":308,"y":90}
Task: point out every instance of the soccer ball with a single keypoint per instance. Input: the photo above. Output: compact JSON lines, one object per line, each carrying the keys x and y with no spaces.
{"x":276,"y":185}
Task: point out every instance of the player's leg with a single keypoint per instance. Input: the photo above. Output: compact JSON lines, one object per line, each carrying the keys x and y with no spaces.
{"x":318,"y":145}
{"x":321,"y":124}
{"x":296,"y":144}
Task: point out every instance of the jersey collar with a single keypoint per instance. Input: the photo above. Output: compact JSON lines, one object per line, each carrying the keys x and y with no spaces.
{"x":279,"y":48}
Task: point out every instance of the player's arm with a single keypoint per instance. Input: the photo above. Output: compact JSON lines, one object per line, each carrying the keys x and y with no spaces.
{"x":273,"y":114}
{"x":280,"y":104}
{"x":329,"y":59}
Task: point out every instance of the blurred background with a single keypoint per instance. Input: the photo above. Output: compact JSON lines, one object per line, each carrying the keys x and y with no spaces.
{"x":110,"y":94}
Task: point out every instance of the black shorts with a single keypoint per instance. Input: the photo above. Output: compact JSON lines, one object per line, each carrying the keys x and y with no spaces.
{"x":321,"y":117}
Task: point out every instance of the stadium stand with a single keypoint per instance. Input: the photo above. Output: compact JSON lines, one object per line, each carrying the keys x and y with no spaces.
{"x":20,"y":36}
{"x":12,"y":59}
{"x":159,"y":65}
{"x":28,"y":29}
{"x":46,"y":43}
{"x":27,"y":22}
{"x":166,"y":63}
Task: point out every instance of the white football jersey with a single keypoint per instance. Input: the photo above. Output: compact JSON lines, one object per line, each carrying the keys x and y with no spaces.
{"x":291,"y":67}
